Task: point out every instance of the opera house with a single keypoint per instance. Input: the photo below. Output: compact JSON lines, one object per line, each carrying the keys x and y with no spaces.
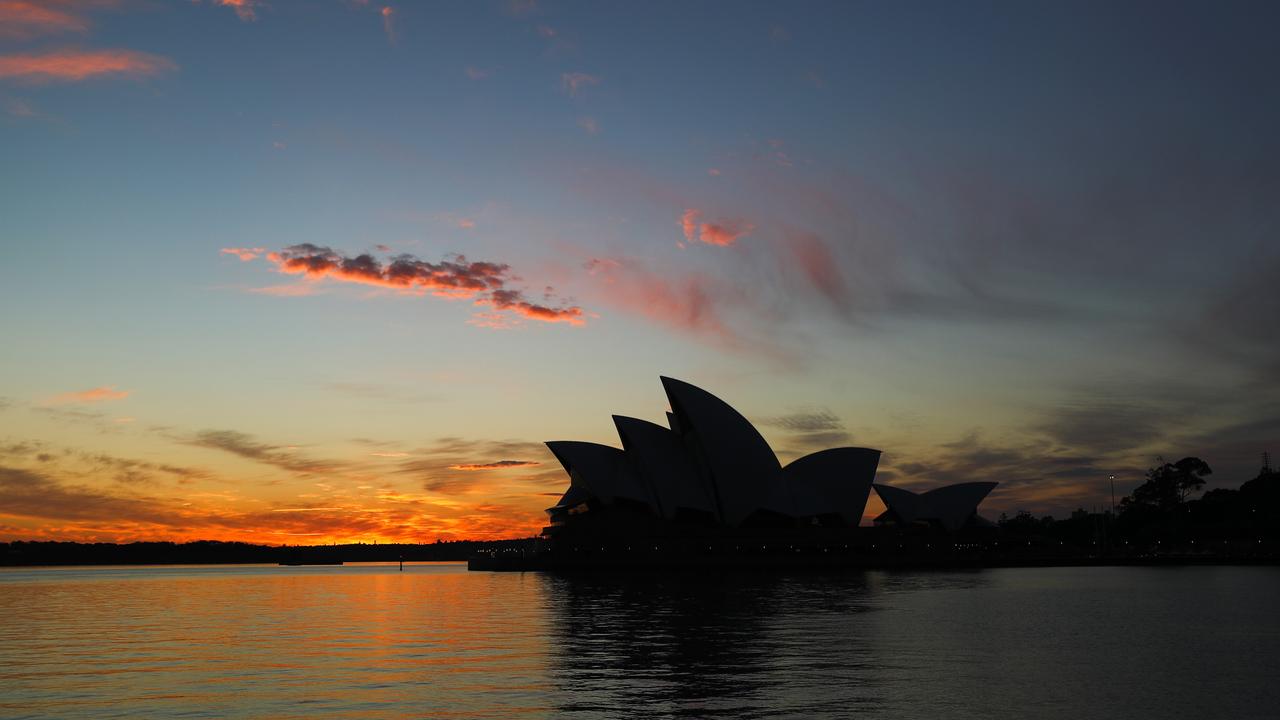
{"x":710,"y":474}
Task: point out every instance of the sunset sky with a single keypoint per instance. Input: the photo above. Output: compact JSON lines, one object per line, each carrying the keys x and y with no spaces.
{"x":311,"y":271}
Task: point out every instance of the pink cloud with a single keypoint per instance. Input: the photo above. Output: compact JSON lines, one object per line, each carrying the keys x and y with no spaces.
{"x":485,"y":283}
{"x":76,"y":65}
{"x":476,"y":73}
{"x":573,"y":82}
{"x":245,"y":254}
{"x":23,"y":20}
{"x":589,"y":124}
{"x":819,"y":266}
{"x":689,"y":303}
{"x":722,"y":232}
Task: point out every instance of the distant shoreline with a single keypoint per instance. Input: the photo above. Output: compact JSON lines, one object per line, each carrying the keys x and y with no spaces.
{"x":206,"y":552}
{"x":528,"y":554}
{"x":490,"y":564}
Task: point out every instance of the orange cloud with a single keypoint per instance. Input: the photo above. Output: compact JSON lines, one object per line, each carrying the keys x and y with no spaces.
{"x":722,"y":233}
{"x":98,"y":394}
{"x":485,"y":283}
{"x":77,"y":65}
{"x":689,"y":224}
{"x":573,"y":82}
{"x":499,"y":465}
{"x":244,"y":8}
{"x":22,"y":20}
{"x":86,"y":496}
{"x":245,"y":254}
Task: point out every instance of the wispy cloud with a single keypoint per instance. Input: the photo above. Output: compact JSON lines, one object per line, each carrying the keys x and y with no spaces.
{"x":809,"y":420}
{"x":23,"y":20}
{"x":78,"y":65}
{"x":807,"y":430}
{"x":498,"y":465}
{"x":389,"y":24}
{"x":245,"y":254}
{"x":575,"y":82}
{"x":485,"y":283}
{"x":17,"y":107}
{"x":589,"y":124}
{"x":288,"y":290}
{"x":92,"y":395}
{"x":382,"y":393}
{"x":520,"y":8}
{"x":818,"y":265}
{"x":449,"y":466}
{"x":244,"y":9}
{"x":689,"y":303}
{"x":246,"y":446}
{"x":476,"y":73}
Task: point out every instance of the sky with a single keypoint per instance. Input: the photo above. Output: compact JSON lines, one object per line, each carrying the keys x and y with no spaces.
{"x":332,"y":270}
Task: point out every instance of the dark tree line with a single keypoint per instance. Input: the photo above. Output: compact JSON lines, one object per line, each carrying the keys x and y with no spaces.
{"x":1164,"y":511}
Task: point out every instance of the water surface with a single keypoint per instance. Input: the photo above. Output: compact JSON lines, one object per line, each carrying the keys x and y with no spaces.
{"x":368,"y":641}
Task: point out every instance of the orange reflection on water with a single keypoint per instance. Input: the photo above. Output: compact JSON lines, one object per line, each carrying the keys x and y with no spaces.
{"x":359,"y":641}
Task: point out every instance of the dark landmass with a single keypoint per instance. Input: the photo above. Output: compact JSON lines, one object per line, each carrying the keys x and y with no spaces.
{"x":1160,"y":523}
{"x":213,"y":552}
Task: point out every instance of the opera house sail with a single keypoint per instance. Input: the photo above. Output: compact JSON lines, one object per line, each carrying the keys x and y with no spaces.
{"x":709,"y":474}
{"x":950,"y":507}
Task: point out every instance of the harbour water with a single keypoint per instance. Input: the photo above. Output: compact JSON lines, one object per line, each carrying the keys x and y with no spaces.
{"x":369,"y":641}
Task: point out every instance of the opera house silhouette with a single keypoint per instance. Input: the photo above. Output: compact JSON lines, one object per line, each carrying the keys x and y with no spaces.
{"x":709,"y":475}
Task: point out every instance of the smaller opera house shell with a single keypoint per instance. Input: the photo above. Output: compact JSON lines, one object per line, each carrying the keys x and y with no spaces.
{"x":710,"y":468}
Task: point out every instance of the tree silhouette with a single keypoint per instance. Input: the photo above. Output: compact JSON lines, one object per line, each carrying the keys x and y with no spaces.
{"x":1168,"y":486}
